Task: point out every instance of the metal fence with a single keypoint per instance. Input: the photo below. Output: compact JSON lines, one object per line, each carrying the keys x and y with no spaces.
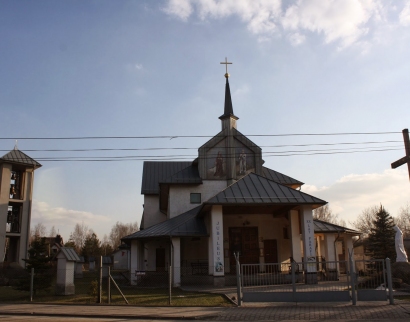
{"x":320,"y":281}
{"x":284,"y":282}
{"x":294,"y":282}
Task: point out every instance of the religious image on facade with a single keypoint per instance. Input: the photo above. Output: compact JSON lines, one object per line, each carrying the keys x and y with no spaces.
{"x":244,"y":160}
{"x":216,"y":164}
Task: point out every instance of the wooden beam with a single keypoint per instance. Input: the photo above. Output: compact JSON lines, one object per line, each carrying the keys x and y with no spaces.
{"x":400,"y":162}
{"x":405,"y":159}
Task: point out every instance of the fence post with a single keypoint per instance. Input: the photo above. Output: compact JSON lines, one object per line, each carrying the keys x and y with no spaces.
{"x":293,"y":271}
{"x":389,"y":281}
{"x":352,"y":280}
{"x":238,"y":279}
{"x":100,"y":283}
{"x":170,"y":286}
{"x":109,"y":285}
{"x":31,"y":284}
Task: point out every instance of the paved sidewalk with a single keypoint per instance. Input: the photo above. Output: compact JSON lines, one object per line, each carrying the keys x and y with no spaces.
{"x":370,"y":311}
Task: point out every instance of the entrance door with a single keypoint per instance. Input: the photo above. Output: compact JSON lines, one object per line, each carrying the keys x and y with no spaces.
{"x":270,"y":247}
{"x":160,"y":259}
{"x":245,"y":241}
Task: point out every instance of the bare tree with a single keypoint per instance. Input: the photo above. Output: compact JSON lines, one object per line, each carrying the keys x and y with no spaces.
{"x":53,"y":232}
{"x":106,"y":247}
{"x":80,"y":233}
{"x":324,"y":213}
{"x":403,"y":220}
{"x":39,"y":230}
{"x":365,"y":221}
{"x":120,"y":230}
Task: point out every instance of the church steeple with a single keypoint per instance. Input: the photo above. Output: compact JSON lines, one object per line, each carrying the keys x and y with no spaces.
{"x":228,"y":118}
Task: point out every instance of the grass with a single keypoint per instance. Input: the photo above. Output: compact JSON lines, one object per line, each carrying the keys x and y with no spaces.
{"x":86,"y":294}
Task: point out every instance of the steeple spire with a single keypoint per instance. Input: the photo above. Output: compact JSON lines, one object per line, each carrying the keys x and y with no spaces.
{"x":228,"y":118}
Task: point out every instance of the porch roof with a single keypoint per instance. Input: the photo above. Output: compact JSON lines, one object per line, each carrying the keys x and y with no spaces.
{"x":253,"y":189}
{"x":187,"y":224}
{"x":279,"y":177}
{"x":326,"y":227}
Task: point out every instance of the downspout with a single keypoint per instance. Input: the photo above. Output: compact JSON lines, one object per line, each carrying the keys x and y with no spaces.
{"x":171,"y":249}
{"x":334,"y":246}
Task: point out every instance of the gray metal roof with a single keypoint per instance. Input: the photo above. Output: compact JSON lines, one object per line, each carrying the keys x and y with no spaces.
{"x":155,"y":172}
{"x":106,"y":260}
{"x":69,"y":254}
{"x":187,"y":224}
{"x":16,"y":156}
{"x":255,"y":189}
{"x":188,"y":175}
{"x":279,"y":177}
{"x":326,"y":227}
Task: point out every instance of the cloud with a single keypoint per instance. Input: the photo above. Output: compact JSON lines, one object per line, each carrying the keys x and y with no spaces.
{"x":404,"y":16}
{"x":349,"y":195}
{"x":64,"y":219}
{"x":338,"y":20}
{"x":138,"y":66}
{"x":345,"y":22}
{"x":180,"y":8}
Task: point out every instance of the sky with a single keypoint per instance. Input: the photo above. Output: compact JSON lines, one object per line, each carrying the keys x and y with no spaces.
{"x":144,"y":79}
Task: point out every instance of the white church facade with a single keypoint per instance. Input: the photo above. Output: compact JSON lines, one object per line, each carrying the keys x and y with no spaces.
{"x":198,"y":214}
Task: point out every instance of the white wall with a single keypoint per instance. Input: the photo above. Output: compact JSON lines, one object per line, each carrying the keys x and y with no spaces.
{"x":268,"y":228}
{"x":179,"y":195}
{"x":152,"y":215}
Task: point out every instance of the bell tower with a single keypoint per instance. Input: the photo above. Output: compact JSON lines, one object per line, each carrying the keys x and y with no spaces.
{"x":16,"y":191}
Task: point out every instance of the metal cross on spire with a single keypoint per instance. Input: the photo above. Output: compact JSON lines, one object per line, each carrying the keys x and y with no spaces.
{"x":226,"y":66}
{"x":405,"y":159}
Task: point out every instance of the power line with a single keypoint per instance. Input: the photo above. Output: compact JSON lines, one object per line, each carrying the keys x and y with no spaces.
{"x":187,"y":157}
{"x":179,"y":148}
{"x":190,"y":136}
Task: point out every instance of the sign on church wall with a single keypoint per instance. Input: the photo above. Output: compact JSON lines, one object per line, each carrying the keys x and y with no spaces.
{"x":217,"y":240}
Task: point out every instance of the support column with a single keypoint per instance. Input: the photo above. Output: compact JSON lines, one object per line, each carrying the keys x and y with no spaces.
{"x":217,"y":240}
{"x":176,"y":261}
{"x":332,"y":266}
{"x":135,"y":260}
{"x":349,"y":249}
{"x":294,"y":225}
{"x":309,"y":252}
{"x":5,"y":175}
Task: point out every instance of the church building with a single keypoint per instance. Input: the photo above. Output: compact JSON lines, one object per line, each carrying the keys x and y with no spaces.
{"x":198,"y":214}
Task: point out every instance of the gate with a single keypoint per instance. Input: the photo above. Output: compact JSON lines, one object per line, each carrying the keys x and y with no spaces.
{"x":371,"y":284}
{"x":316,"y":282}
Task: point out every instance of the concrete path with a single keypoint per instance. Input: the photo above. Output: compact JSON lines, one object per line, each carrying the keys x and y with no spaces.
{"x":364,"y":311}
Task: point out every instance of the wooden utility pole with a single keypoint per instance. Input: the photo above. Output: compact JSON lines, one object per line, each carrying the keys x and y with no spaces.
{"x":405,"y":159}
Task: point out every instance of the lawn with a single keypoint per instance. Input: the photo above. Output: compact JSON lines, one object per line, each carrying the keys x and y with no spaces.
{"x":85,"y":290}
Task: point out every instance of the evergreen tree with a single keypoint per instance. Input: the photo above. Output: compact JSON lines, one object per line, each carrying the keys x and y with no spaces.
{"x":91,"y":247}
{"x":39,"y":260}
{"x":381,"y":237}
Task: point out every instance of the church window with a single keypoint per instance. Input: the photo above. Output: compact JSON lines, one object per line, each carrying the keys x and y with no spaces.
{"x":195,"y":198}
